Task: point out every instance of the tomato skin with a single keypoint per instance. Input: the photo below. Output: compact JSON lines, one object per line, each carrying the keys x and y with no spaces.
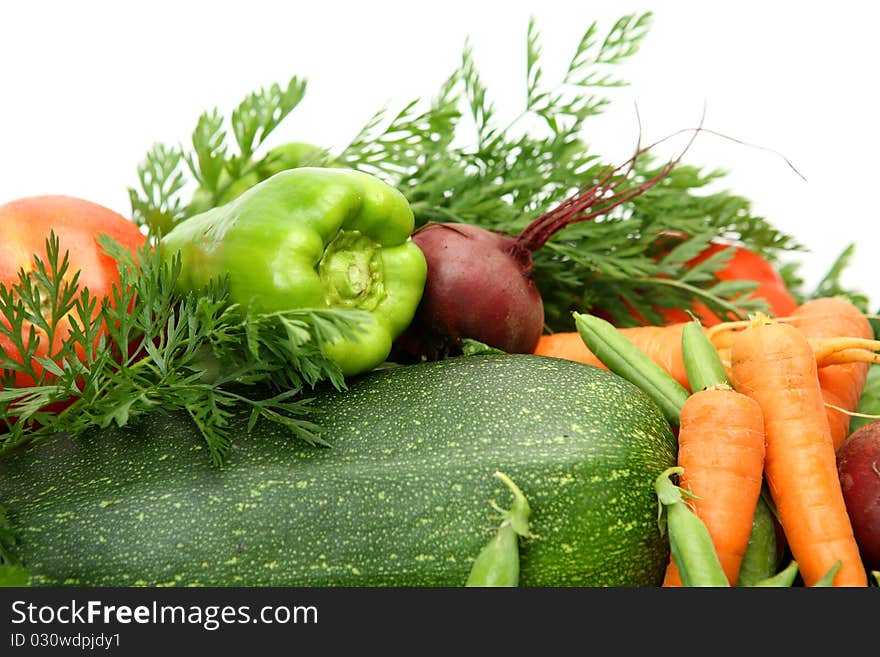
{"x":25,"y":226}
{"x":745,"y":265}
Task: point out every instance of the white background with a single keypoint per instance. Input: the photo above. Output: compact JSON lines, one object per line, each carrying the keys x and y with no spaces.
{"x":86,"y":88}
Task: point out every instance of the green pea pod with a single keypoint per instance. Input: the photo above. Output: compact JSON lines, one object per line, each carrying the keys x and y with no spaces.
{"x":787,"y":576}
{"x":761,"y":558}
{"x":783,"y":578}
{"x":828,"y":578}
{"x":312,"y":238}
{"x":621,"y":356}
{"x":701,"y":361}
{"x":497,"y":564}
{"x":689,"y":540}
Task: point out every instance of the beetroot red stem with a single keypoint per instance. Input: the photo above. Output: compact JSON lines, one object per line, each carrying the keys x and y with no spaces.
{"x":581,"y":206}
{"x":536,"y":234}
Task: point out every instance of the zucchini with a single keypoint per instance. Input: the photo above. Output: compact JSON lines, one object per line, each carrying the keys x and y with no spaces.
{"x":399,"y":499}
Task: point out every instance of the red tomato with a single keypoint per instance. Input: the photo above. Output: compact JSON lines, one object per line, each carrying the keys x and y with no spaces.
{"x":26,"y":224}
{"x":744,"y":265}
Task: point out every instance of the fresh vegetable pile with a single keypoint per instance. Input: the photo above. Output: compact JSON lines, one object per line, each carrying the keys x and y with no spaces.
{"x":452,"y":354}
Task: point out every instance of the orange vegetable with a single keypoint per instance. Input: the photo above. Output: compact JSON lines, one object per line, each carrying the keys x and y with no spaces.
{"x":774,"y":364}
{"x":721,"y":448}
{"x":842,"y":384}
{"x":661,"y":343}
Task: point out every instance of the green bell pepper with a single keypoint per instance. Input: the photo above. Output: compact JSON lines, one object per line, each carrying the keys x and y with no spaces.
{"x":312,"y":238}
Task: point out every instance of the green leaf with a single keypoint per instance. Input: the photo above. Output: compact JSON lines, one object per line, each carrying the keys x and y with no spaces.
{"x":157,"y":204}
{"x":831,"y":285}
{"x":689,"y":249}
{"x":260,"y":113}
{"x":624,"y":38}
{"x":581,"y":59}
{"x":482,"y":110}
{"x":533,"y":68}
{"x":208,"y":140}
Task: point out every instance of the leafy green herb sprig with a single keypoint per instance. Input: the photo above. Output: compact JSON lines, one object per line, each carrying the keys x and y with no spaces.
{"x":213,"y":164}
{"x":149,"y":349}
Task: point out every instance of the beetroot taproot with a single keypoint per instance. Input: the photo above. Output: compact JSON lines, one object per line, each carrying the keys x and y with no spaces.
{"x":858,"y":465}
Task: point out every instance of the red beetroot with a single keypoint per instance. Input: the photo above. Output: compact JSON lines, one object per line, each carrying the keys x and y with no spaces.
{"x":480,"y":283}
{"x":505,"y":311}
{"x":858,"y":465}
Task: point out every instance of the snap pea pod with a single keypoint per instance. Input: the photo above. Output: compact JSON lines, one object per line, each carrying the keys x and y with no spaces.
{"x":828,"y":578}
{"x":783,"y":578}
{"x":692,"y":546}
{"x":621,"y":356}
{"x":787,"y":576}
{"x":689,"y":540}
{"x":761,"y":558}
{"x":497,"y":564}
{"x":701,"y":361}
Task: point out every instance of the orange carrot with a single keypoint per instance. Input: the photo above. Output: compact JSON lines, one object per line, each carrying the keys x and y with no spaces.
{"x":568,"y":345}
{"x":826,"y":321}
{"x":661,"y":343}
{"x":721,"y":448}
{"x":774,"y":363}
{"x":842,"y":384}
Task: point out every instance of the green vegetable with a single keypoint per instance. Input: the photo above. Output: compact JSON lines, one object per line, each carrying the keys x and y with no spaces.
{"x":827,"y":580}
{"x":622,"y":357}
{"x":701,"y":361}
{"x":497,"y":564}
{"x":783,"y":578}
{"x":868,"y":408}
{"x":689,"y":540}
{"x":312,"y":238}
{"x":761,"y":558}
{"x":398,"y":498}
{"x":788,"y":575}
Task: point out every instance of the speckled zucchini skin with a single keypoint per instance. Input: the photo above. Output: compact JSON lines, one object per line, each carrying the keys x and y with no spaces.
{"x":400,"y":499}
